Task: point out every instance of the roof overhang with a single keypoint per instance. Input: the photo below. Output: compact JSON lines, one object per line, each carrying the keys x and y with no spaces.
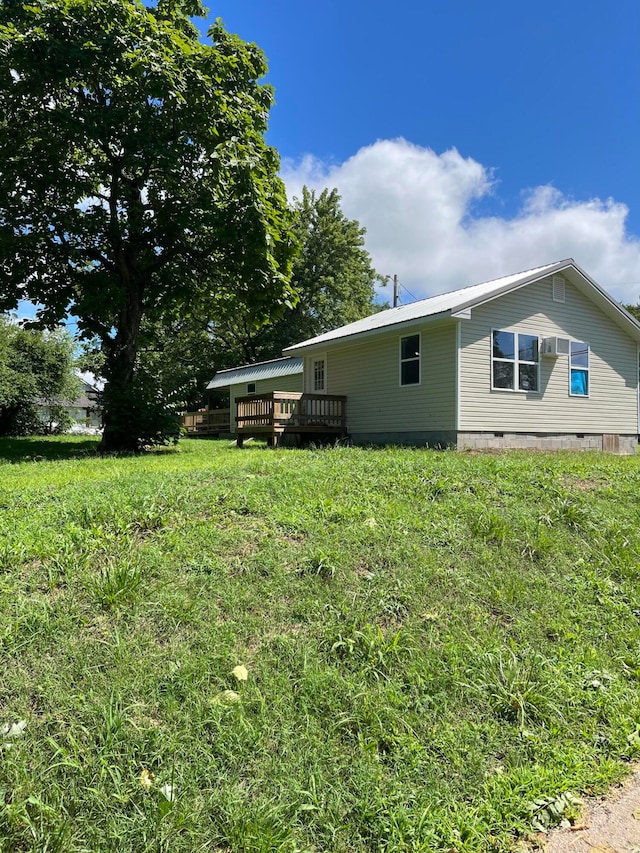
{"x":397,"y":328}
{"x":586,"y":285}
{"x":609,"y":306}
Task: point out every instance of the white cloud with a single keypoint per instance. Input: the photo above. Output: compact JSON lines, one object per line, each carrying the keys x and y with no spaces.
{"x":418,"y":209}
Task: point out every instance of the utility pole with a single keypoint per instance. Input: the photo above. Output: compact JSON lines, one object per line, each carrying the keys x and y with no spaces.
{"x":396,"y":291}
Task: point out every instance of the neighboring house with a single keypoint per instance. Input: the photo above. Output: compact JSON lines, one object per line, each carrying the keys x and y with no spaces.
{"x":83,"y":409}
{"x":279,"y":374}
{"x":540,"y":359}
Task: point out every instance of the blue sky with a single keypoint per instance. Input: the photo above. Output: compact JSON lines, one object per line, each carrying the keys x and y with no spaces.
{"x":472,"y":139}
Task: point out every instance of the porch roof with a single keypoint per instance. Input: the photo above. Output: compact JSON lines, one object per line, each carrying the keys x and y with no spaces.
{"x":273,"y":369}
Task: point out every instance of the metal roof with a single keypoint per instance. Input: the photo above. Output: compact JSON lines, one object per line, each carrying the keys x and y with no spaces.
{"x":445,"y":303}
{"x":458,"y":304}
{"x":287,"y":366}
{"x":86,"y":399}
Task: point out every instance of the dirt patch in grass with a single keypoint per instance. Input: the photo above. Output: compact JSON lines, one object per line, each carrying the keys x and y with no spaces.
{"x":586,"y":485}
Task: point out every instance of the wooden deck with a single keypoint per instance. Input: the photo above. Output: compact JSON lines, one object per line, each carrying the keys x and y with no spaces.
{"x":209,"y":422}
{"x":280,"y":413}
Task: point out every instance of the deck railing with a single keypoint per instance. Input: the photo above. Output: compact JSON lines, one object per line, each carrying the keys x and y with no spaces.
{"x":209,"y":422}
{"x":290,"y":411}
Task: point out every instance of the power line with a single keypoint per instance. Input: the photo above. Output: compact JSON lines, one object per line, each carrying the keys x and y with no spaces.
{"x":396,"y":292}
{"x":415,"y":298}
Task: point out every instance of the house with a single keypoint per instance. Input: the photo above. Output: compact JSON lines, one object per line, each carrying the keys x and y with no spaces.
{"x":541,"y":359}
{"x":84,"y":409}
{"x":245,"y":382}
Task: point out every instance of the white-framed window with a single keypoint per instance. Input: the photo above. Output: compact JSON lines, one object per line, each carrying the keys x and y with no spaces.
{"x":579,"y":369}
{"x":319,"y":374}
{"x":515,"y":361}
{"x":410,"y":360}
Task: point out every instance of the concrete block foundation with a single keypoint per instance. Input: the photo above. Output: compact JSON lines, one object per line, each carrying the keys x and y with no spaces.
{"x":608,"y":442}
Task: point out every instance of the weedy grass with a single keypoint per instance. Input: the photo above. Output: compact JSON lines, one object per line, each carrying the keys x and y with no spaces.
{"x":441,"y":650}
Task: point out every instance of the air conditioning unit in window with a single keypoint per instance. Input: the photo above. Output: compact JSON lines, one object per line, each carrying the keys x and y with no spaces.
{"x":556,"y":346}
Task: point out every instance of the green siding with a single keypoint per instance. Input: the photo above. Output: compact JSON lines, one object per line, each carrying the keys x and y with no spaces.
{"x":612,"y":405}
{"x":368,"y":372}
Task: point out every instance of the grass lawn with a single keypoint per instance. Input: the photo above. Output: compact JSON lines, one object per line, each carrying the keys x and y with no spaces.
{"x":440,"y":648}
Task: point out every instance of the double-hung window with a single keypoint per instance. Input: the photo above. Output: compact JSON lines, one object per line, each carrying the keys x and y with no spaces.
{"x":318,"y":374}
{"x":410,"y":360}
{"x":579,"y":369}
{"x":515,"y":361}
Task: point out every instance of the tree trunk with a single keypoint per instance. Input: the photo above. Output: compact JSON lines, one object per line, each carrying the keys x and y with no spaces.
{"x":120,"y":433}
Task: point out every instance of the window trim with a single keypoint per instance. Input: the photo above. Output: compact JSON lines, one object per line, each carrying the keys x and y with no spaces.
{"x":586,"y":370}
{"x":516,"y":362}
{"x":250,"y":389}
{"x":417,"y":358}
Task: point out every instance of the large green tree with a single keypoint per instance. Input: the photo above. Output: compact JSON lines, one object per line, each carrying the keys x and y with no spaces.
{"x":136,"y":186}
{"x":332,"y":274}
{"x":335,"y":282}
{"x":36,"y":368}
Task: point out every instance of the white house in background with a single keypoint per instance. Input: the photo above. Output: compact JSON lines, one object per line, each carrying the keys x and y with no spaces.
{"x":541,"y":359}
{"x":84,"y":409}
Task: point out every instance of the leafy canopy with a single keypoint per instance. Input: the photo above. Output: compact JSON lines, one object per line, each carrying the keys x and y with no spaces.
{"x":35,"y":368}
{"x":335,"y":282}
{"x":332,"y":274}
{"x":136,"y":182}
